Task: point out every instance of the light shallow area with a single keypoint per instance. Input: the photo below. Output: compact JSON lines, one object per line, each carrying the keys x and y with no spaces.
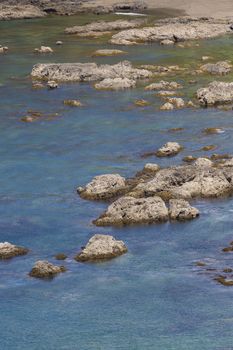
{"x":152,"y":298}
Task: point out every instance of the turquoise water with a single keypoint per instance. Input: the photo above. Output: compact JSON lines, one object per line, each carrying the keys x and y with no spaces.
{"x":153,"y":298}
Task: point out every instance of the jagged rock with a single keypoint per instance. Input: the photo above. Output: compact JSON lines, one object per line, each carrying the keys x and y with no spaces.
{"x":115,"y":84}
{"x":8,"y":12}
{"x":44,"y":269}
{"x":162,"y":85}
{"x":106,"y":52}
{"x":221,"y":68}
{"x":169,"y":149}
{"x":128,"y":210}
{"x":101,"y":247}
{"x":88,"y":71}
{"x":44,"y":49}
{"x":8,"y":250}
{"x":176,"y":30}
{"x":189,"y":159}
{"x":167,"y":107}
{"x":216,"y":93}
{"x":181,"y":210}
{"x":103,"y":187}
{"x":103,"y":26}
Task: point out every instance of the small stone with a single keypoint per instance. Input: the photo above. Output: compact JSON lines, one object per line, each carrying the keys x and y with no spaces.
{"x":167,"y":42}
{"x":164,"y":93}
{"x":151,"y":167}
{"x":169,"y":149}
{"x":164,"y":85}
{"x":44,"y":269}
{"x":73,"y":103}
{"x":228,"y":270}
{"x":108,"y":52}
{"x":177,"y":102}
{"x":189,"y":159}
{"x":190,"y":104}
{"x":28,"y":119}
{"x":59,"y":42}
{"x":224,"y":281}
{"x":52,"y":85}
{"x":208,"y":148}
{"x":115,"y":84}
{"x":141,"y":103}
{"x":200,"y":263}
{"x":44,"y":49}
{"x":210,"y":131}
{"x":101,"y":247}
{"x":206,"y":58}
{"x":176,"y":129}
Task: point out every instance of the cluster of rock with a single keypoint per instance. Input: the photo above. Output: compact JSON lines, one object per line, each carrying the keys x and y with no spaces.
{"x":118,"y":76}
{"x":215,"y":93}
{"x":18,"y":11}
{"x":175,"y":30}
{"x":142,"y":198}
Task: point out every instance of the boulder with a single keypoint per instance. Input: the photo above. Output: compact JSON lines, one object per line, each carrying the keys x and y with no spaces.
{"x":181,"y":210}
{"x":87,"y":71}
{"x":221,"y":68}
{"x":44,"y":269}
{"x":176,"y":102}
{"x":103,"y":187}
{"x":128,"y":210}
{"x":215,"y":93}
{"x":115,"y":84}
{"x":169,"y":149}
{"x":8,"y":250}
{"x":101,"y":247}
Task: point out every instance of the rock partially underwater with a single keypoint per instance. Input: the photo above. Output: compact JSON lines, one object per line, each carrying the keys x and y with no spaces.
{"x":8,"y":250}
{"x":101,"y":247}
{"x":44,"y":269}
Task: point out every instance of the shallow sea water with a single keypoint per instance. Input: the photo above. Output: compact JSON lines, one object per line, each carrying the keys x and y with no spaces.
{"x":153,"y":298}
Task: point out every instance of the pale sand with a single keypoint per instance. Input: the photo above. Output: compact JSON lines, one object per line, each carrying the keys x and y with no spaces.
{"x":211,"y":8}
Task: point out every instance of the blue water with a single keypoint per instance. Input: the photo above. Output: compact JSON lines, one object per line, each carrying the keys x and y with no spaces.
{"x":154,"y":297}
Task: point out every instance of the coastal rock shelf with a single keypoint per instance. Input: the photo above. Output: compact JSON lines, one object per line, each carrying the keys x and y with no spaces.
{"x":176,"y":30}
{"x":143,"y":197}
{"x":88,"y":72}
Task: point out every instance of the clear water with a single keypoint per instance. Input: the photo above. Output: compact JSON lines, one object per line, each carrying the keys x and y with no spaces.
{"x":152,"y":298}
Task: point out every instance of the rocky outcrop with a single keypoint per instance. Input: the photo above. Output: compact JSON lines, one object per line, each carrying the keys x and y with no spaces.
{"x":103,"y":26}
{"x":176,"y":30}
{"x":103,"y":187}
{"x":169,"y":149}
{"x":8,"y":12}
{"x":128,"y":210}
{"x":87,"y":71}
{"x":181,"y":210}
{"x":115,"y":84}
{"x":219,"y":68}
{"x":216,"y":93}
{"x":44,"y":269}
{"x":101,"y":247}
{"x":8,"y":250}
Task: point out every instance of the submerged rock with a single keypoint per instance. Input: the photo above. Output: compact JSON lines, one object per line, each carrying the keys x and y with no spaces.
{"x":44,"y":269}
{"x":169,"y":149}
{"x":73,"y":103}
{"x":141,"y":103}
{"x":103,"y":26}
{"x":181,"y":210}
{"x":128,"y":210}
{"x":115,"y":84}
{"x":220,"y":68}
{"x":52,"y":85}
{"x":103,"y":187}
{"x":8,"y":250}
{"x":88,"y":71}
{"x":60,"y":256}
{"x":176,"y":30}
{"x":107,"y":52}
{"x":101,"y":247}
{"x":216,"y":93}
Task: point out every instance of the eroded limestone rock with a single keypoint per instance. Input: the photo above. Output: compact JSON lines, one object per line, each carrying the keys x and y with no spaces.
{"x":216,"y":93}
{"x":115,"y":84}
{"x":101,"y":247}
{"x":181,"y":210}
{"x":8,"y":250}
{"x":44,"y":269}
{"x":169,"y":149}
{"x":221,"y":68}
